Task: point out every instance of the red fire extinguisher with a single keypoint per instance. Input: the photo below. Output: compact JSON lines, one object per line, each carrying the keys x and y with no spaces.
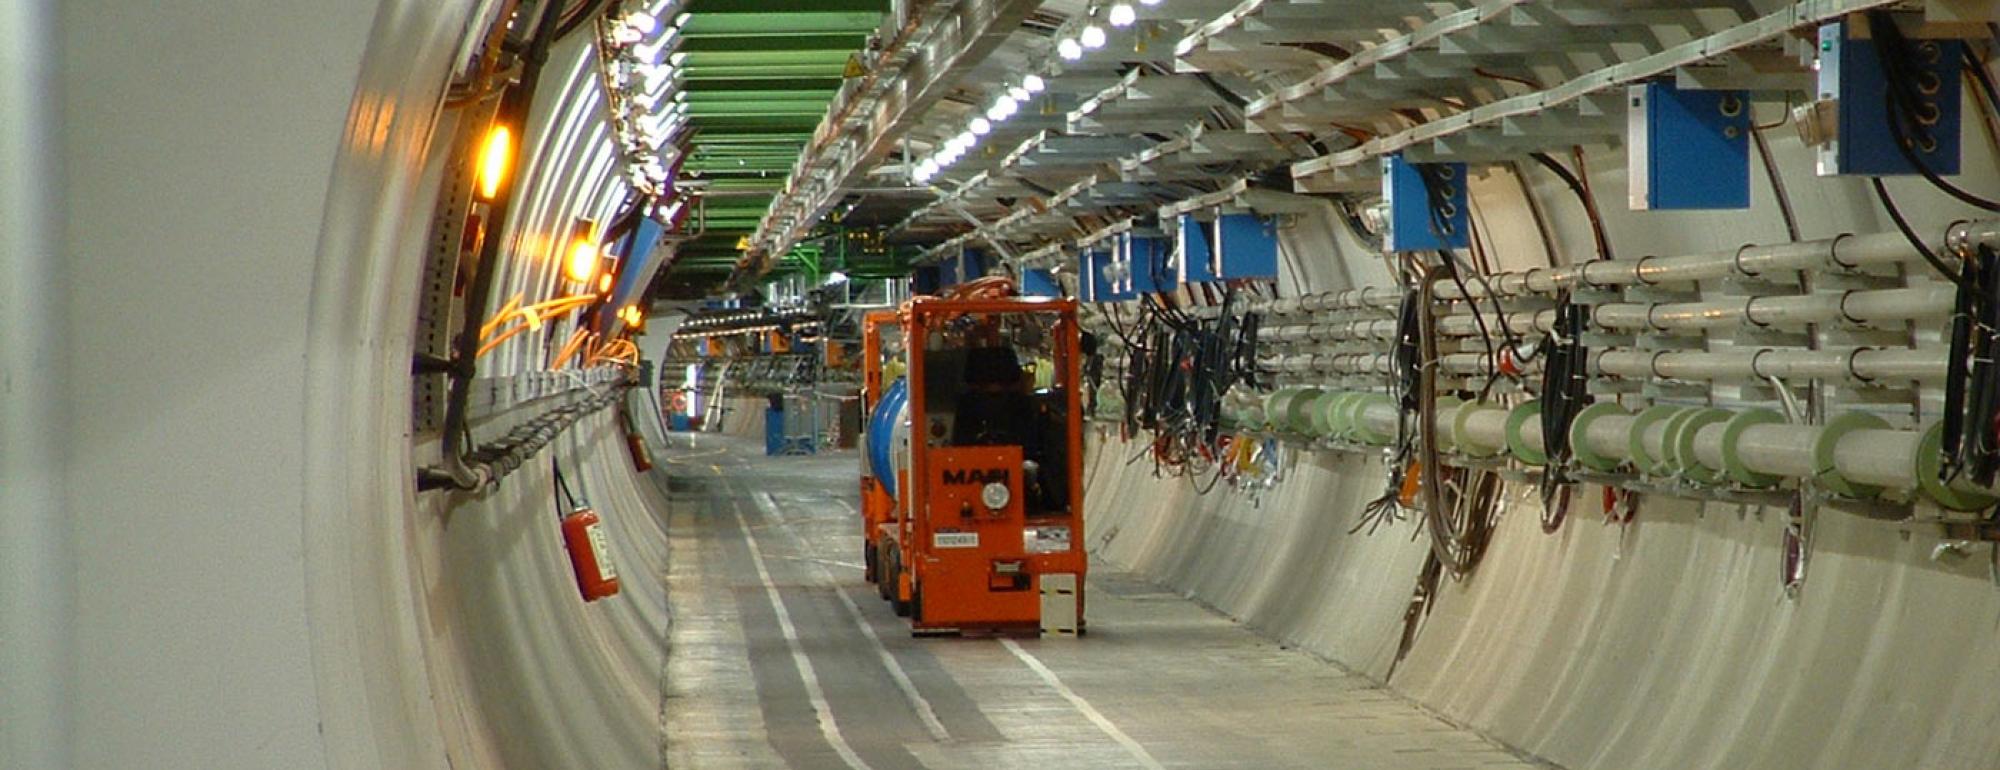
{"x":589,"y":554}
{"x":642,"y":457}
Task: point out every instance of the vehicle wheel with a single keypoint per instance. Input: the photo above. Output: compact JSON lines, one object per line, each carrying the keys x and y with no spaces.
{"x":886,"y":562}
{"x":917,"y":603}
{"x":868,"y":562}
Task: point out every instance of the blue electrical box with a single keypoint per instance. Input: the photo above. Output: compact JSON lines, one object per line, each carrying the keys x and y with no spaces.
{"x":1148,"y":256}
{"x":1688,"y":149}
{"x":1195,"y":240}
{"x":1249,"y":247}
{"x":969,"y":265}
{"x":1101,"y":277}
{"x":774,"y":431}
{"x":1039,"y":283}
{"x":1414,"y":224}
{"x":926,"y":279}
{"x":1862,"y":142}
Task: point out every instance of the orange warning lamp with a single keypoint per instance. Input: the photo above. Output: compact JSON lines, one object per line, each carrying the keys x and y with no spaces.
{"x":583,"y":258}
{"x":496,"y":155}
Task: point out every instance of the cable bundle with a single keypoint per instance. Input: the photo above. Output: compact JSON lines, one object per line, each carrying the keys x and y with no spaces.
{"x":1178,"y":370}
{"x":1910,"y":119}
{"x":1459,"y":502}
{"x":1972,"y":382}
{"x":1406,"y":365}
{"x":1565,"y":377}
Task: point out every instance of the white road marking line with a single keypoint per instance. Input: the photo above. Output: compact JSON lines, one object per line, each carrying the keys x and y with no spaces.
{"x":821,"y":708}
{"x":817,"y":560}
{"x":851,"y":510}
{"x":1089,"y":712}
{"x":896,"y":672}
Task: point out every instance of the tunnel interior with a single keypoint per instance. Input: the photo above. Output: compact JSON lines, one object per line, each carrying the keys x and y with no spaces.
{"x":999,"y":383}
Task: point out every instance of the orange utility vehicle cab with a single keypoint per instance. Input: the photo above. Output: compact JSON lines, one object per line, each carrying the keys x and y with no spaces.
{"x":977,"y":452}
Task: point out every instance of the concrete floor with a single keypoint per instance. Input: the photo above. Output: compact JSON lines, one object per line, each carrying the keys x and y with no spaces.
{"x":781,"y":656}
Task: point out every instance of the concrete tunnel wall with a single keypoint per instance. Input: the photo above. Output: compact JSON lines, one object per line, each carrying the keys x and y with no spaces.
{"x":221,"y":211}
{"x":1667,"y":644}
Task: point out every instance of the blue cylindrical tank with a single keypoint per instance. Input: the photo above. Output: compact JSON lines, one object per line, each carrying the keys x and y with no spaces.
{"x":882,"y":432}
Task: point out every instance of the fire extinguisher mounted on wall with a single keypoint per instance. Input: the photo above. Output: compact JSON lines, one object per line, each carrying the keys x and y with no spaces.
{"x":642,"y":457}
{"x":589,"y":549}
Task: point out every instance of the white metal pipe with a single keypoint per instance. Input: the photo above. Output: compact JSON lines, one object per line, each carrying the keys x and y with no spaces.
{"x":1380,"y":416}
{"x":1854,"y":365}
{"x":1778,"y":449}
{"x":1884,"y":457}
{"x":1839,"y":254}
{"x":1654,"y":437}
{"x":1708,"y":445}
{"x":1531,"y":434}
{"x":1486,"y":426}
{"x":1861,"y":307}
{"x":1880,"y":457}
{"x":1608,"y":435}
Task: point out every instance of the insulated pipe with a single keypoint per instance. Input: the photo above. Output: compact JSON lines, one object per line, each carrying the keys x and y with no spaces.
{"x":1839,"y":254}
{"x":1754,"y":447}
{"x":1844,"y":253}
{"x":1881,"y":457}
{"x":1857,"y":365}
{"x":1861,"y":307}
{"x":1775,"y":449}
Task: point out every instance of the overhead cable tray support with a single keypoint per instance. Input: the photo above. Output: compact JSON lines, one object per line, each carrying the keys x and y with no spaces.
{"x":923,"y":59}
{"x":1458,"y":130}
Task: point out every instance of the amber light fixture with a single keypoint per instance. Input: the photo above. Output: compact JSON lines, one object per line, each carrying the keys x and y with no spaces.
{"x":584,"y":255}
{"x":496,"y":157}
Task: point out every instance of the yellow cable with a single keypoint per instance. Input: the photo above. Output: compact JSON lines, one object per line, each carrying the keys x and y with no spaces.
{"x":536,"y":314}
{"x":500,"y":317}
{"x":570,"y":348}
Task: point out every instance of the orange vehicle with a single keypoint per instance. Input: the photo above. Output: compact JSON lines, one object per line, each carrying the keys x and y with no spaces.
{"x":980,"y":457}
{"x":878,"y":511}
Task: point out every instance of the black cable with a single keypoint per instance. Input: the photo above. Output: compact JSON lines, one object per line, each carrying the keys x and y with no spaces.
{"x":1576,"y":186}
{"x":562,"y":489}
{"x":1405,"y":379}
{"x":1478,"y":318}
{"x":514,"y":106}
{"x":1981,"y":449}
{"x":1565,"y":379}
{"x":1903,"y":108}
{"x":1910,"y":233}
{"x":1777,"y":181}
{"x":1983,"y":78}
{"x":579,"y":17}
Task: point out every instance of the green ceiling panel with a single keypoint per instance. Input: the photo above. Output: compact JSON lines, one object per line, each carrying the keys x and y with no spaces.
{"x":758,"y":76}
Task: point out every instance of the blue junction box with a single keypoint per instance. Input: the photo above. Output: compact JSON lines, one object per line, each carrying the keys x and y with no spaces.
{"x":1850,"y":75}
{"x":1412,"y":224}
{"x":1688,"y":149}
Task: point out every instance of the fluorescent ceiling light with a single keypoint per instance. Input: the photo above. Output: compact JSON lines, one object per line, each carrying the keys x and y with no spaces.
{"x":1093,"y":37}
